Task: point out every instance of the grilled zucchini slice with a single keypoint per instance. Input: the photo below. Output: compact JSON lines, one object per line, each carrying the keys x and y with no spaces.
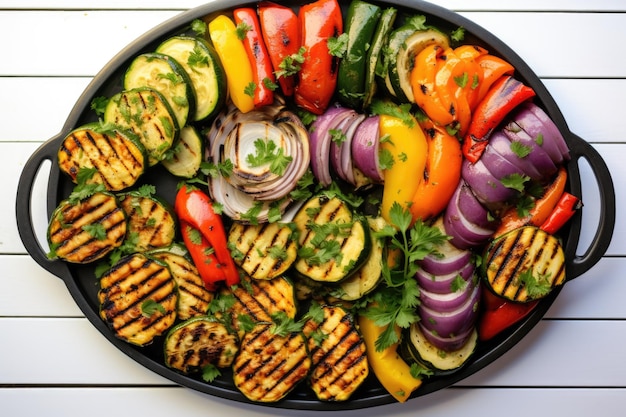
{"x":116,"y":154}
{"x":334,"y":242}
{"x":150,"y":220}
{"x":264,"y":251}
{"x":524,"y":264}
{"x":270,"y":365}
{"x":168,"y":77}
{"x":338,"y":354}
{"x":196,"y":343}
{"x":205,"y":71}
{"x":258,"y":300}
{"x":186,"y":157}
{"x":193,"y":297}
{"x":87,"y":230}
{"x":148,"y":114}
{"x":138,"y":299}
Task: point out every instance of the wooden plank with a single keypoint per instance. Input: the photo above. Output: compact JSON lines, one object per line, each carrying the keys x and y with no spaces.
{"x":577,"y":98}
{"x":166,"y":401}
{"x":581,"y":55}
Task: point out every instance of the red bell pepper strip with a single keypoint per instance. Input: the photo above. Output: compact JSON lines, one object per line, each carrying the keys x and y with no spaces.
{"x":319,"y":21}
{"x":505,"y":94}
{"x":563,"y":211}
{"x":280,"y":28}
{"x":196,"y":209}
{"x":203,"y":257}
{"x":263,"y":74}
{"x":500,"y":314}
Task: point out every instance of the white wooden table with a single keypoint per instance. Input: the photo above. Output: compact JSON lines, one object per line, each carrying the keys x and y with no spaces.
{"x":53,"y":362}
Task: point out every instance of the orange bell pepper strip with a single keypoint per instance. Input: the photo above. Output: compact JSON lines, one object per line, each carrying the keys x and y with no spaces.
{"x":262,"y":71}
{"x":449,"y":68}
{"x":194,"y":208}
{"x":319,"y":21}
{"x":473,"y":77}
{"x":493,"y":68}
{"x":280,"y":28}
{"x":441,"y":174}
{"x":540,"y":212}
{"x":423,"y":85}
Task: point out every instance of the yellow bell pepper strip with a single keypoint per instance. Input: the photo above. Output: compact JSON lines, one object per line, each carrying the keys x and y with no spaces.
{"x":319,"y":21}
{"x":423,"y":85}
{"x":403,"y":154}
{"x":493,"y":68}
{"x":232,"y":53}
{"x":441,"y":174}
{"x":392,"y":371}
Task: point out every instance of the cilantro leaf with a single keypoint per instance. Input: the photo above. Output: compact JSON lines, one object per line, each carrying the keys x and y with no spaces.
{"x":210,"y":372}
{"x":267,"y":152}
{"x":151,"y":307}
{"x":337,"y":46}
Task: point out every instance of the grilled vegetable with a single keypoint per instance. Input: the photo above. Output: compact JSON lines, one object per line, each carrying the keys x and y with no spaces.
{"x":147,"y":114}
{"x":264,"y":251}
{"x":138,"y":299}
{"x":167,"y":76}
{"x":258,"y":300}
{"x":86,"y":230}
{"x":199,"y":342}
{"x":334,"y":242}
{"x":150,"y":218}
{"x":118,"y":155}
{"x":338,"y":354}
{"x":524,"y":264}
{"x":204,"y":68}
{"x":185,"y":158}
{"x":193,"y":297}
{"x":416,"y":348}
{"x":269,"y":364}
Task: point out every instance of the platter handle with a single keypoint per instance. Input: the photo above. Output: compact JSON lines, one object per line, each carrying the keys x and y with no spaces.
{"x":579,"y":264}
{"x":46,"y":152}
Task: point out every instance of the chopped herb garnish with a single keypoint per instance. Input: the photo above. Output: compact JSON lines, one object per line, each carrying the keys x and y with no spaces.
{"x":210,"y":372}
{"x":151,"y":307}
{"x":291,"y":64}
{"x":337,"y":46}
{"x":267,"y":152}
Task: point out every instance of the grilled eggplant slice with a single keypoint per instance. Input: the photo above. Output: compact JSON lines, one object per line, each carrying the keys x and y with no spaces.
{"x":116,"y":154}
{"x":198,"y":342}
{"x":150,"y":219}
{"x":138,"y":299}
{"x":87,"y":230}
{"x":193,"y":297}
{"x":338,"y":354}
{"x":258,"y":300}
{"x":186,"y":157}
{"x":148,"y":114}
{"x":334,"y":242}
{"x":524,"y":264}
{"x":264,"y":251}
{"x":269,"y":365}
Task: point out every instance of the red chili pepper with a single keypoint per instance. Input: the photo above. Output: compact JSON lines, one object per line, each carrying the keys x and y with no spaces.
{"x":319,"y":21}
{"x":280,"y":28}
{"x":505,"y":94}
{"x":257,"y":53}
{"x":195,"y":208}
{"x":204,"y":259}
{"x":563,"y":211}
{"x":499,"y":314}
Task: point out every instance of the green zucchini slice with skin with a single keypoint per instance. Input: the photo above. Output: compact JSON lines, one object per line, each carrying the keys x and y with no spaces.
{"x":205,"y":71}
{"x":405,"y":43}
{"x":416,"y":348}
{"x":369,"y":275}
{"x":338,"y":354}
{"x":524,"y":264}
{"x":258,"y":300}
{"x":87,"y":230}
{"x":270,"y":365}
{"x":138,"y":298}
{"x":263,"y":251}
{"x":148,"y":114}
{"x":198,"y":342}
{"x":185,"y":158}
{"x":193,"y":297}
{"x":151,"y":220}
{"x":168,"y":77}
{"x":334,"y":241}
{"x":117,"y":155}
{"x":361,"y":20}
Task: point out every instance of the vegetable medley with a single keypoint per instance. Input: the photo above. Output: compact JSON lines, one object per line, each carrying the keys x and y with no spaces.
{"x":359,"y":191}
